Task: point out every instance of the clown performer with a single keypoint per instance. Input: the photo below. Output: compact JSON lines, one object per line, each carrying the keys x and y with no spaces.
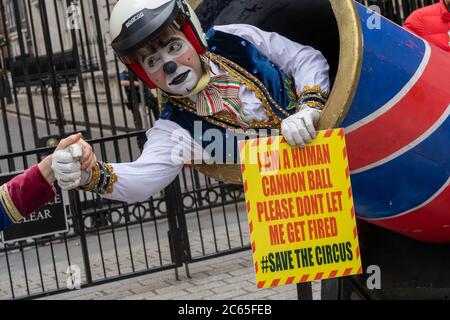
{"x":236,"y":77}
{"x":32,"y":189}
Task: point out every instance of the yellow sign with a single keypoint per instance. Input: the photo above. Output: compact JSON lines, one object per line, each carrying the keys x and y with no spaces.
{"x":300,"y":209}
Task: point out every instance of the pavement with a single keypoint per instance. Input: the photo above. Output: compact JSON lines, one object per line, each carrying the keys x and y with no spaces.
{"x":142,"y":247}
{"x":127,"y":250}
{"x":229,"y":277}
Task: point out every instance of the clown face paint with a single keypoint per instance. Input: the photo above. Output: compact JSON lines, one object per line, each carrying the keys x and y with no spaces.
{"x":174,"y":65}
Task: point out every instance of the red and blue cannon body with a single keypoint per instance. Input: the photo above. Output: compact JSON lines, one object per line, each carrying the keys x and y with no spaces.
{"x":398,"y":132}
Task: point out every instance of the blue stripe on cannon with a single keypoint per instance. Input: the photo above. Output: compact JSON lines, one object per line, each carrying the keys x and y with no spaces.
{"x":406,"y":181}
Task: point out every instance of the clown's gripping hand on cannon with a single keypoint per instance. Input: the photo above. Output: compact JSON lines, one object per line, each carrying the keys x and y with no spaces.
{"x":33,"y":188}
{"x":234,"y":78}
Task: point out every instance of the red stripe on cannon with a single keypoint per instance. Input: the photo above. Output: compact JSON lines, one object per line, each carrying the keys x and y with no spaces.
{"x":427,"y":223}
{"x":411,"y":117}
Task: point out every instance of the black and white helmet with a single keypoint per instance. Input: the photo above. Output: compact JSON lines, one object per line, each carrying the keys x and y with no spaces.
{"x":134,"y":23}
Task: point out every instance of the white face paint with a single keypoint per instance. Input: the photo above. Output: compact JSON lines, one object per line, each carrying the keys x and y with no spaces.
{"x":183,"y":68}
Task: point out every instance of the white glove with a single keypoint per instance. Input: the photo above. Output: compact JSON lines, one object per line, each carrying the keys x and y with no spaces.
{"x":67,"y":168}
{"x":299,"y":129}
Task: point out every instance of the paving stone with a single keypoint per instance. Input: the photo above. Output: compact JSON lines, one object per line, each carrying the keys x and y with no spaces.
{"x":227,"y":277}
{"x":228,"y":295}
{"x":206,"y":286}
{"x":262,"y":294}
{"x":230,"y":287}
{"x":170,"y":289}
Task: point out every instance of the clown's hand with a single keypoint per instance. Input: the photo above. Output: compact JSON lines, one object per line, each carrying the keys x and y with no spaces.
{"x":299,"y":129}
{"x":67,"y":167}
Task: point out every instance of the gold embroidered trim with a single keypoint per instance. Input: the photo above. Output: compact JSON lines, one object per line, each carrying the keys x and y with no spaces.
{"x":253,"y":84}
{"x":103,"y":172}
{"x":95,"y":179}
{"x":314,"y":90}
{"x":313,"y":97}
{"x":225,"y":120}
{"x":222,"y":119}
{"x":112,"y":180}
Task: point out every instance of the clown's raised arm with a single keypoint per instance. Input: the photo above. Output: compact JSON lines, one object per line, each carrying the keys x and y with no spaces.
{"x":167,"y":149}
{"x":238,"y":77}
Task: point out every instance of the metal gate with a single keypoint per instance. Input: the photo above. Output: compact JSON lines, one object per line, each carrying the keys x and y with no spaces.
{"x":398,"y":10}
{"x":60,"y":76}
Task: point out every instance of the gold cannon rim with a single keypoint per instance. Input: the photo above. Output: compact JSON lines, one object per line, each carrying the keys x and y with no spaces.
{"x":341,"y":95}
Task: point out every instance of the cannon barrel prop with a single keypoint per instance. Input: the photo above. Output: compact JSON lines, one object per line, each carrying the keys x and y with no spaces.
{"x":391,"y":93}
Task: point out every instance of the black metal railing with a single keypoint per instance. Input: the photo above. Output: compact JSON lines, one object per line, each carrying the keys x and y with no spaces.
{"x":54,"y":95}
{"x":111,"y":240}
{"x":398,"y":10}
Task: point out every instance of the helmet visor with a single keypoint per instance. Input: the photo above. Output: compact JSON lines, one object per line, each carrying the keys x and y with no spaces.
{"x":147,"y":47}
{"x":144,"y":26}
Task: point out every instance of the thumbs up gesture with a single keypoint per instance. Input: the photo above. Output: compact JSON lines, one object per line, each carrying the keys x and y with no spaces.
{"x":72,"y":162}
